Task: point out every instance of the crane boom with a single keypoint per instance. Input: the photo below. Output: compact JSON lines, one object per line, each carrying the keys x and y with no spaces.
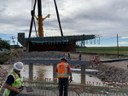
{"x":40,"y":19}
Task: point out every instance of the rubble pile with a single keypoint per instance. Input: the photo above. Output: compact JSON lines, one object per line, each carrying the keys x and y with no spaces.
{"x":3,"y":75}
{"x":112,"y":73}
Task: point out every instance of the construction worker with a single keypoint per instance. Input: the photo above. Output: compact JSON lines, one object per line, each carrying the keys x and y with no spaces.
{"x":63,"y":74}
{"x":14,"y":82}
{"x":80,"y":55}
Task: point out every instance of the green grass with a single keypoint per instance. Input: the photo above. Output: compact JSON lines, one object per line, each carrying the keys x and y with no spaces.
{"x":104,"y":50}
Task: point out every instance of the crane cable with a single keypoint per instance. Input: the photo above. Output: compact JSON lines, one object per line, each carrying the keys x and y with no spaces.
{"x":32,"y":18}
{"x":32,"y":6}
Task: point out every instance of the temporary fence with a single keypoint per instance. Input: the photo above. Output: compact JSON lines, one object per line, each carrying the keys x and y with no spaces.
{"x":50,"y":88}
{"x":47,"y":87}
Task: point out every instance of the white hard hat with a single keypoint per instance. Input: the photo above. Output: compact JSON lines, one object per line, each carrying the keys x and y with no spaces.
{"x":18,"y":66}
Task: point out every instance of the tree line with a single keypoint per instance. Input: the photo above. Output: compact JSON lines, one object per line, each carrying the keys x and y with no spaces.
{"x":4,"y":44}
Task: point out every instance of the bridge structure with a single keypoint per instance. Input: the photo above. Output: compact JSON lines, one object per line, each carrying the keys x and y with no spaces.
{"x":52,"y":58}
{"x":85,"y":88}
{"x":54,"y":43}
{"x":48,"y":87}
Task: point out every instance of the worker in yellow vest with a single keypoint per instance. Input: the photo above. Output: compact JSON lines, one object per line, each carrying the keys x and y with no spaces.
{"x":63,"y":74}
{"x":14,"y":82}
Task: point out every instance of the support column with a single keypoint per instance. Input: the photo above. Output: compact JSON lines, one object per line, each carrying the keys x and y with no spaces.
{"x":83,"y":74}
{"x":54,"y":73}
{"x":31,"y":71}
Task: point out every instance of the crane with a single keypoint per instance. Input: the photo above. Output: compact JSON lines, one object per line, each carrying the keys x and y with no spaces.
{"x":42,"y":43}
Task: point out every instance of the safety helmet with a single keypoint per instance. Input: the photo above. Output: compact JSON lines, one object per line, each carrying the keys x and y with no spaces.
{"x":18,"y":66}
{"x":63,"y":59}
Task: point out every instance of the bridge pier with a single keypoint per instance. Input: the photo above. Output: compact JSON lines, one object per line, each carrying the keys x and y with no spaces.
{"x":83,"y":75}
{"x":30,"y":71}
{"x":54,"y":73}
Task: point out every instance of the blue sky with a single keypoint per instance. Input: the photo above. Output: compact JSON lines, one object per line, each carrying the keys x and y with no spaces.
{"x":99,"y":41}
{"x":110,"y":41}
{"x":107,"y":41}
{"x":104,"y":18}
{"x":8,"y":37}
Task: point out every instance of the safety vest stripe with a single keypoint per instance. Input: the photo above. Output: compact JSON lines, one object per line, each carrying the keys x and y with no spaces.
{"x":65,"y":74}
{"x":18,"y":82}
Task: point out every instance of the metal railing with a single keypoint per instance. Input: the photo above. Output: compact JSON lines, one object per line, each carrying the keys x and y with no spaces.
{"x":48,"y":87}
{"x":44,"y":88}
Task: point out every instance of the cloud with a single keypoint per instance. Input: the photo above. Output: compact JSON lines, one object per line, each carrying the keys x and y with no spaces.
{"x":123,"y":43}
{"x":100,"y":17}
{"x":125,"y":37}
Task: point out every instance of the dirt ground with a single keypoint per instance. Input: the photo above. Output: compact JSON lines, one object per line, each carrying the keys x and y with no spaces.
{"x":120,"y":64}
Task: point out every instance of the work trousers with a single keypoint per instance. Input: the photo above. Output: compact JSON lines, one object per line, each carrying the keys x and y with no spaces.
{"x":63,"y":86}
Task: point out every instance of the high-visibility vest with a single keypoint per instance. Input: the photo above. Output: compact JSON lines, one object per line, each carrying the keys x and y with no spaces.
{"x":18,"y":82}
{"x":62,"y":70}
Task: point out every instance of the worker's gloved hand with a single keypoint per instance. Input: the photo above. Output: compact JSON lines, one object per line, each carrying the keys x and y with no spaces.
{"x":21,"y":88}
{"x":70,"y":80}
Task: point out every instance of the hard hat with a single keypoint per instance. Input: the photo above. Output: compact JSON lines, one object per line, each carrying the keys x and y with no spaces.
{"x":18,"y":66}
{"x":64,"y":59}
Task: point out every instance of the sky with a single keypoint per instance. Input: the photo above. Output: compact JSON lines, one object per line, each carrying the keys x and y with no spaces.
{"x":103,"y":18}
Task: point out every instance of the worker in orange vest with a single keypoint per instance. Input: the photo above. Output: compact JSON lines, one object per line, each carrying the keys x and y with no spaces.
{"x":64,"y":75}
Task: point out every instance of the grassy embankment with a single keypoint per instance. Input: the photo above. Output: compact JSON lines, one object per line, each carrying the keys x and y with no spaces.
{"x":104,"y":50}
